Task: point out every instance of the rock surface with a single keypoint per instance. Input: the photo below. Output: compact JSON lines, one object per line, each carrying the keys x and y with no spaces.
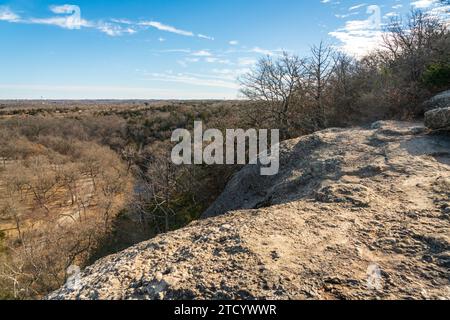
{"x":438,"y":119}
{"x":362,"y":213}
{"x":441,"y":100}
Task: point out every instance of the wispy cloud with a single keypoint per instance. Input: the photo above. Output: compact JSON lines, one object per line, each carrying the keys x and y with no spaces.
{"x":230,"y":74}
{"x":69,"y":17}
{"x":167,"y":28}
{"x":202,"y":36}
{"x":247,"y":61}
{"x":193,"y":79}
{"x":423,"y":4}
{"x":434,"y":7}
{"x":163,"y":27}
{"x":357,"y":6}
{"x":114,"y":30}
{"x":7,"y":15}
{"x":218,"y":60}
{"x":359,"y":37}
{"x":262,"y":51}
{"x":202,"y":53}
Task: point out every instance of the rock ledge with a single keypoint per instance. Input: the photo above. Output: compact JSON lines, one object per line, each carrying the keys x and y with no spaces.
{"x":361,"y":213}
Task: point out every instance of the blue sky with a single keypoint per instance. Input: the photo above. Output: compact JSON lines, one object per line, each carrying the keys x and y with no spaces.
{"x":169,"y":49}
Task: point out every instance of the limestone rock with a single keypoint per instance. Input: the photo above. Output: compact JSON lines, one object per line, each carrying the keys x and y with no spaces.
{"x":441,"y":100}
{"x":353,"y":214}
{"x":438,"y":119}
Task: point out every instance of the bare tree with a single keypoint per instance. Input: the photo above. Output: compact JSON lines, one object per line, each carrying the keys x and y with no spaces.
{"x":343,"y":90}
{"x":41,"y":181}
{"x":274,"y":82}
{"x":320,"y":67}
{"x":412,"y":44}
{"x":40,"y":249}
{"x":160,"y":186}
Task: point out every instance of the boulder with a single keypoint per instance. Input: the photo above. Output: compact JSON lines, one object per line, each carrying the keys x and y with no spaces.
{"x":441,"y":100}
{"x":438,"y":119}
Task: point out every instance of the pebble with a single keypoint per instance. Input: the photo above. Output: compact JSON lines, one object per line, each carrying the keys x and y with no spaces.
{"x":225,"y":227}
{"x":159,"y":276}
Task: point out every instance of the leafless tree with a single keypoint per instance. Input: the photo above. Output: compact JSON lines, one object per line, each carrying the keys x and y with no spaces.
{"x":274,"y":83}
{"x":320,"y":67}
{"x":410,"y":45}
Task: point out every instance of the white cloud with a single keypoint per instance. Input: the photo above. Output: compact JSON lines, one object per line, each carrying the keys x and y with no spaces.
{"x":391,"y":14}
{"x":202,"y":53}
{"x":358,"y":42}
{"x":233,"y":43}
{"x":167,"y":28}
{"x":69,"y":17}
{"x":114,"y":30}
{"x":182,"y":63}
{"x":357,"y":6}
{"x":66,"y":9}
{"x":434,"y":7}
{"x":423,"y":4}
{"x":247,"y":61}
{"x":202,"y":36}
{"x":122,"y":21}
{"x":217,"y":60}
{"x":70,"y":20}
{"x":358,"y":37}
{"x":7,"y":15}
{"x":262,"y":51}
{"x":343,"y":16}
{"x":66,"y":23}
{"x":163,"y":27}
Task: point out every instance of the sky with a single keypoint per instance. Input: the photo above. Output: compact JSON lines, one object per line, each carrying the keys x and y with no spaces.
{"x":170,"y":49}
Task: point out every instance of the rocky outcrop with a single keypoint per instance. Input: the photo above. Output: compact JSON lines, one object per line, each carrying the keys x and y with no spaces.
{"x":361,"y":213}
{"x":438,"y":119}
{"x":441,"y":100}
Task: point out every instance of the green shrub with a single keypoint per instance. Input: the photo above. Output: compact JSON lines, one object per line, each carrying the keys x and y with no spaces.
{"x":437,"y":76}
